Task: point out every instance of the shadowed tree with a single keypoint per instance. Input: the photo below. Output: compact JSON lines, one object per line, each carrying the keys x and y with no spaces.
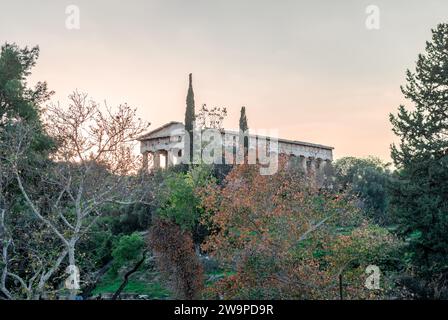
{"x":367,"y":179}
{"x":419,"y":192}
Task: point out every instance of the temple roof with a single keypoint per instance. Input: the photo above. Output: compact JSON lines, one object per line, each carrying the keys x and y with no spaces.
{"x":153,"y":133}
{"x":158,"y":133}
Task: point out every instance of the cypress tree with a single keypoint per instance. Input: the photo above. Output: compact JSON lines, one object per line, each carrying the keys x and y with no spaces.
{"x":189,"y":118}
{"x":420,"y":191}
{"x":244,"y":129}
{"x":243,"y":120}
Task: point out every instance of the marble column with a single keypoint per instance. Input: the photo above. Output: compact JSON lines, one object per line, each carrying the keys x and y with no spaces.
{"x":292,"y":161}
{"x":312,"y":161}
{"x":165,"y":156}
{"x":145,"y":161}
{"x":303,"y":165}
{"x":156,"y":159}
{"x":320,"y":165}
{"x":320,"y":173}
{"x":170,"y":158}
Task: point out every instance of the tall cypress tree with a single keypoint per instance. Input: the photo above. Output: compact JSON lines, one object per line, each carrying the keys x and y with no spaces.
{"x":189,"y":118}
{"x":420,"y":192}
{"x":243,"y":120}
{"x":244,"y":129}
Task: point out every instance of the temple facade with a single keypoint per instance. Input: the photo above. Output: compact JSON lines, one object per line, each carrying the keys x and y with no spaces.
{"x":164,"y":147}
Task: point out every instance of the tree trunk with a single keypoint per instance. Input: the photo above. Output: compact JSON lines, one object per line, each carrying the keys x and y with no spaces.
{"x":88,"y":290}
{"x":341,"y":296}
{"x":126,"y":277}
{"x":74,"y":272}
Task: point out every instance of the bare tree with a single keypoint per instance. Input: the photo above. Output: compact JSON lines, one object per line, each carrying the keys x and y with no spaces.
{"x":29,"y":256}
{"x":211,"y":118}
{"x":94,"y":165}
{"x":5,"y":238}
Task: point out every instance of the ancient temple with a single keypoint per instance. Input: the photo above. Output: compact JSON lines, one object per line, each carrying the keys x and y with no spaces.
{"x":164,"y":146}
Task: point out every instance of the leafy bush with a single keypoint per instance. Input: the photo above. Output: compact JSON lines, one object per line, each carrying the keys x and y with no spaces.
{"x":127,"y":249}
{"x":178,"y":201}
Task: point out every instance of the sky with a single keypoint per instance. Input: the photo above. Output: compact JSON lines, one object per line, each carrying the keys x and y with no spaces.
{"x":310,"y":69}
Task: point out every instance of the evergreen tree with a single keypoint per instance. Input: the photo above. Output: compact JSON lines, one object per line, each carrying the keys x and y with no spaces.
{"x":189,"y":119}
{"x":244,"y":129}
{"x":420,"y":191}
{"x":243,"y":120}
{"x":17,"y":101}
{"x":20,"y":107}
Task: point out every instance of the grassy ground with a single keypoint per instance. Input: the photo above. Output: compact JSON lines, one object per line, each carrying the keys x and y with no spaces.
{"x":147,"y":285}
{"x":153,"y":289}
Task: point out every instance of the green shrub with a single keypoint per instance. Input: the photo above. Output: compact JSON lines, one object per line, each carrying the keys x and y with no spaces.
{"x":127,"y":249}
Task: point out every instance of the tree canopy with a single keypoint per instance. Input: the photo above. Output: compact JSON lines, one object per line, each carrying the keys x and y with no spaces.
{"x":420,"y":189}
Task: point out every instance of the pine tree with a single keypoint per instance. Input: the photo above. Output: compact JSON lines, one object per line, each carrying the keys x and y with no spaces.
{"x":18,"y":102}
{"x":189,"y":119}
{"x":420,"y":191}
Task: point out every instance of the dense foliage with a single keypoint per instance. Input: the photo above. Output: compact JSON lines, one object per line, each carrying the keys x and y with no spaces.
{"x":420,"y":191}
{"x":18,"y":102}
{"x":367,"y":179}
{"x":285,"y":239}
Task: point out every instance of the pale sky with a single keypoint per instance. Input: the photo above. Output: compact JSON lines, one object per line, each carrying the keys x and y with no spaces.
{"x":310,"y":69}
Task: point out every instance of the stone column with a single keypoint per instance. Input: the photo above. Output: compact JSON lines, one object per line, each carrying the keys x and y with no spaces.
{"x":328,"y":169}
{"x":303,"y":165}
{"x":312,"y":166}
{"x":145,"y":161}
{"x":230,"y":149}
{"x":169,"y":158}
{"x":320,"y":165}
{"x":157,"y":160}
{"x":320,"y":174}
{"x":292,"y":161}
{"x":165,"y":155}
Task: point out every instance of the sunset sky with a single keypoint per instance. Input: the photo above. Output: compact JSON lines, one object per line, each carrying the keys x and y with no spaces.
{"x":310,"y":69}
